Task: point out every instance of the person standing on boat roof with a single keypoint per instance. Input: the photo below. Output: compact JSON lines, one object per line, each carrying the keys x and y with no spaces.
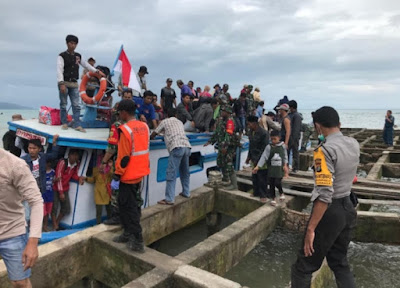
{"x":67,"y":78}
{"x":185,"y":89}
{"x":18,"y":252}
{"x":227,"y":141}
{"x":333,"y":215}
{"x":388,"y":128}
{"x":131,"y":166}
{"x":295,"y":134}
{"x":178,"y":146}
{"x":168,"y":97}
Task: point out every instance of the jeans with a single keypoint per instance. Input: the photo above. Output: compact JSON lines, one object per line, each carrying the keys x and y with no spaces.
{"x":129,"y":209}
{"x":260,"y":183}
{"x":388,"y":136}
{"x":332,"y":238}
{"x":294,"y":147}
{"x":11,"y":251}
{"x":76,"y":108}
{"x":178,"y":161}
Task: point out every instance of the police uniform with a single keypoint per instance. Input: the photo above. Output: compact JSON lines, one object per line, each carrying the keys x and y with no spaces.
{"x":227,"y":142}
{"x":335,"y":165}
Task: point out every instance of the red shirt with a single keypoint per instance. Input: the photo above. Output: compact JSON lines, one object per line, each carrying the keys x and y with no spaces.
{"x":65,"y":175}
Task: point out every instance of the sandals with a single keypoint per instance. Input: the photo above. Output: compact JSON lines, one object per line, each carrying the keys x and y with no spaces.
{"x":80,"y":129}
{"x":273,"y":203}
{"x":183,"y":195}
{"x":64,"y":127}
{"x":165,"y":202}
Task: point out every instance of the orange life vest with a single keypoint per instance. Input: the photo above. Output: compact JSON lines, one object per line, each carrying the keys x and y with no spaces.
{"x":138,"y":134}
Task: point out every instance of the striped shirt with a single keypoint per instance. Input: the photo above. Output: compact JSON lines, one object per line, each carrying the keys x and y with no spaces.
{"x":174,"y":133}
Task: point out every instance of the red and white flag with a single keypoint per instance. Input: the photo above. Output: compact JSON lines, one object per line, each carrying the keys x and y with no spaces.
{"x":123,"y":66}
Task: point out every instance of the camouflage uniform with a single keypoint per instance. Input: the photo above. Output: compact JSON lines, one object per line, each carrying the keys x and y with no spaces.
{"x":250,"y":100}
{"x":112,"y":148}
{"x":226,"y":142}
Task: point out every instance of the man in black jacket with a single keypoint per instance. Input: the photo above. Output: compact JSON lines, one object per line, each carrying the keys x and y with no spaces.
{"x":295,"y":133}
{"x":259,"y":138}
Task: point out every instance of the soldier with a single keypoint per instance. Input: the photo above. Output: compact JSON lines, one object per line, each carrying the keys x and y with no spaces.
{"x":111,"y":153}
{"x":227,"y":142}
{"x":250,"y":99}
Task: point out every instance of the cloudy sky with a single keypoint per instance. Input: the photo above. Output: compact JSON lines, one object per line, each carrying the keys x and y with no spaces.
{"x":343,"y":53}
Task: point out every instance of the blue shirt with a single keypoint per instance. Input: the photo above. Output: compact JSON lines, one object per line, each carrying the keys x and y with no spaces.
{"x":259,"y":111}
{"x":48,"y":196}
{"x":148,"y":111}
{"x":185,"y":90}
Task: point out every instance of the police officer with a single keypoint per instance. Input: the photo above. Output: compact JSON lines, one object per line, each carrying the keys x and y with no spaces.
{"x":131,"y":166}
{"x":227,"y":141}
{"x":333,"y":215}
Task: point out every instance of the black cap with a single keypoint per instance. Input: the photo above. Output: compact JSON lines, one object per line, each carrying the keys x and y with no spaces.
{"x":127,"y":105}
{"x":270,"y":113}
{"x":71,"y":38}
{"x":252,"y":119}
{"x":217,"y":85}
{"x":169,"y":80}
{"x":143,"y":69}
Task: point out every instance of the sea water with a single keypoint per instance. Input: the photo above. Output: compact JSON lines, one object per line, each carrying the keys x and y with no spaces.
{"x":268,"y":265}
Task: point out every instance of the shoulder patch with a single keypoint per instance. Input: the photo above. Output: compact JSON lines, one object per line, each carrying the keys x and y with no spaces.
{"x":113,"y":136}
{"x":322,"y":175}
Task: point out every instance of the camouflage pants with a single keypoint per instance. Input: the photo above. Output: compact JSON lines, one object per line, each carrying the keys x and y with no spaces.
{"x":225,"y":162}
{"x":114,"y":200}
{"x":306,"y":136}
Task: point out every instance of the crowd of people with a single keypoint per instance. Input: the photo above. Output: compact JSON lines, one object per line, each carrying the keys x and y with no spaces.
{"x":41,"y":179}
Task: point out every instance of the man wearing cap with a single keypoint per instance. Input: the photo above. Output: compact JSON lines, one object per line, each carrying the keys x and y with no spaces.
{"x":250,"y":100}
{"x":333,"y":215}
{"x":267,"y":122}
{"x":225,"y":89}
{"x":142,"y":80}
{"x":67,"y":78}
{"x":227,"y":141}
{"x":131,"y":166}
{"x":168,"y":97}
{"x":285,"y":123}
{"x":217,"y":90}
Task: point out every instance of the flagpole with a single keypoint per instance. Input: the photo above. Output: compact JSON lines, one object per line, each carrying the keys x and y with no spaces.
{"x":116,"y":60}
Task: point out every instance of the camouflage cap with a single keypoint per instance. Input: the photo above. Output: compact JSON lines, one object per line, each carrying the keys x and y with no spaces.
{"x":250,"y":86}
{"x":226,"y":108}
{"x":223,"y":98}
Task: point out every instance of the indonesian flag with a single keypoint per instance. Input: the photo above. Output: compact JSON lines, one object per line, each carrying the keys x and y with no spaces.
{"x":123,"y":66}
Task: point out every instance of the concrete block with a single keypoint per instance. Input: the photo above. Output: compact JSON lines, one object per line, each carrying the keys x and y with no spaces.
{"x":191,"y":277}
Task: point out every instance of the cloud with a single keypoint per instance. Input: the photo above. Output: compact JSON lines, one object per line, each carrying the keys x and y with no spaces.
{"x":341,"y":53}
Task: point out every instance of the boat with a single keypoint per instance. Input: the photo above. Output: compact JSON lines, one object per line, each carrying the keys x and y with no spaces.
{"x":93,"y":143}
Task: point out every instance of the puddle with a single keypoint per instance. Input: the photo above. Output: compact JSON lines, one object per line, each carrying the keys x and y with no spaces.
{"x":188,"y":237}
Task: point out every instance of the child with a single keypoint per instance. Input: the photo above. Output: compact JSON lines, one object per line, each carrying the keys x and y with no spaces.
{"x":102,"y":189}
{"x":66,"y":170}
{"x":275,"y":155}
{"x":48,"y":194}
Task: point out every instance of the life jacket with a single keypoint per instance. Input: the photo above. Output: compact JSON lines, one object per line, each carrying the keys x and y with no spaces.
{"x":138,"y":134}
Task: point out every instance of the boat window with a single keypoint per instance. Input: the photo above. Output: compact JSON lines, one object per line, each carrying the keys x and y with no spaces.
{"x":195,"y":165}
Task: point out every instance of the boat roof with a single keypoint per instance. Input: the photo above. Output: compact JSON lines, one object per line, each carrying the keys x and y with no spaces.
{"x":94,"y":138}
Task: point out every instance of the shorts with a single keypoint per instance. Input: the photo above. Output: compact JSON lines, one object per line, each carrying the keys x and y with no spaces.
{"x":47,"y":207}
{"x":11,"y":251}
{"x":65,"y":206}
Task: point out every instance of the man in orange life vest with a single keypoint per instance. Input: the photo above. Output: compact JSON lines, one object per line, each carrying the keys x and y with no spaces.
{"x":131,"y":166}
